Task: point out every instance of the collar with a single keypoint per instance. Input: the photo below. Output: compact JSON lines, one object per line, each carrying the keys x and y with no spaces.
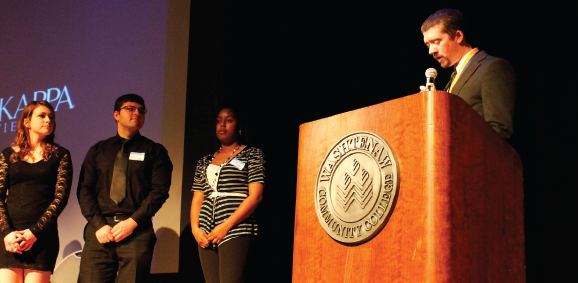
{"x":118,"y":138}
{"x":462,"y":65}
{"x":464,"y":61}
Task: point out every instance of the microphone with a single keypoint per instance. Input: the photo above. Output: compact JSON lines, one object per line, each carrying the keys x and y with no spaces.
{"x":430,"y":75}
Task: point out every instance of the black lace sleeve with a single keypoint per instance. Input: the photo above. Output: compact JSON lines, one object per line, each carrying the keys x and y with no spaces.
{"x":61,"y":194}
{"x":5,"y":224}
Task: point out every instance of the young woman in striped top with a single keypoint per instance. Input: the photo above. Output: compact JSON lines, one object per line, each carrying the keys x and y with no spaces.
{"x":228,"y":186}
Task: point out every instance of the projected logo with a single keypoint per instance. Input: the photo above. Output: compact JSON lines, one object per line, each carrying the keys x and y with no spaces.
{"x":11,"y":107}
{"x":356,"y":188}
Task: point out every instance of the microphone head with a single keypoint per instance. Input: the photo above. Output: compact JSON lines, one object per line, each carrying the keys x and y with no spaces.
{"x":431,"y":73}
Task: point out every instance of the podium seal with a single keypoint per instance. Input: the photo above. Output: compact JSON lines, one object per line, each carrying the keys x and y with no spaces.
{"x":356,"y":188}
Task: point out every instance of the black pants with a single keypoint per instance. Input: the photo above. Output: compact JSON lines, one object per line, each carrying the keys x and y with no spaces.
{"x":131,"y":257}
{"x":226,"y":263}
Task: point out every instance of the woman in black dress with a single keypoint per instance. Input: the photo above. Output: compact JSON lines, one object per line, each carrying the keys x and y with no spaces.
{"x":35,"y":177}
{"x":227,"y":188}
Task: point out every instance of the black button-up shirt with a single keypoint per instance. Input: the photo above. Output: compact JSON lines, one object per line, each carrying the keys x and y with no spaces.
{"x":148,"y":180}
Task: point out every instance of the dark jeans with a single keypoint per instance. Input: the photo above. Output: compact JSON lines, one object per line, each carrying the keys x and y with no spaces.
{"x":131,"y":257}
{"x":227,"y":263}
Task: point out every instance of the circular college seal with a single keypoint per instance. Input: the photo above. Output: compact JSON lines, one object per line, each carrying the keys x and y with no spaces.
{"x":356,"y":188}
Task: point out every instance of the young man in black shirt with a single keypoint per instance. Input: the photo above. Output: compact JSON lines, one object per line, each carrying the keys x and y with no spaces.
{"x":123,"y":182}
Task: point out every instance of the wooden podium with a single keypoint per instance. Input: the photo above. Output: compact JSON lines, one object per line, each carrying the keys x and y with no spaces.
{"x":459,"y":210}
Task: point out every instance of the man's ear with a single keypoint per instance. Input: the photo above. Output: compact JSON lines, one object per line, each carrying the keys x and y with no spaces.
{"x":116,"y":114}
{"x":459,"y":36}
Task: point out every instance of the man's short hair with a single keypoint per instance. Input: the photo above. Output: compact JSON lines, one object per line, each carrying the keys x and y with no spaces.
{"x":451,"y":21}
{"x":131,"y":97}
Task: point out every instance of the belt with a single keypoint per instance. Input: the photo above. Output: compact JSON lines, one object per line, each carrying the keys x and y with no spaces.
{"x":224,"y":194}
{"x":117,"y":217}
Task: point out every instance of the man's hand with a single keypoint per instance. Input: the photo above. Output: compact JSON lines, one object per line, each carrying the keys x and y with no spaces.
{"x":123,"y":229}
{"x":104,"y":235}
{"x":28,"y":239}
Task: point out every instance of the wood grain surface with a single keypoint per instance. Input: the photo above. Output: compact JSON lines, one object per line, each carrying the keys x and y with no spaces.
{"x":459,"y":212}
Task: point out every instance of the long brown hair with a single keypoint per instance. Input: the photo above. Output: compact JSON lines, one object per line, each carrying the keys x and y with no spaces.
{"x":22,"y":140}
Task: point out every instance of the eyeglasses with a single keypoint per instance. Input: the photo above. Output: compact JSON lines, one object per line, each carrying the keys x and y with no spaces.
{"x":130,"y":108}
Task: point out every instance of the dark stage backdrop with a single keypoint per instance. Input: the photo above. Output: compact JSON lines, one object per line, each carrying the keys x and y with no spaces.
{"x":290,"y":62}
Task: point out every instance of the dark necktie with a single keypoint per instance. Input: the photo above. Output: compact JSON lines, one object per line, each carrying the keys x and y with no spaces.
{"x":447,"y":88}
{"x":118,"y":186}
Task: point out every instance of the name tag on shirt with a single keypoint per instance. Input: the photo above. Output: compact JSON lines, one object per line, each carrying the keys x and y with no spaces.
{"x":237,"y":163}
{"x":137,"y":156}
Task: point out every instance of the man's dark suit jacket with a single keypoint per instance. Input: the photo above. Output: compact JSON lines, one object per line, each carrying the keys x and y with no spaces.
{"x":488,"y":84}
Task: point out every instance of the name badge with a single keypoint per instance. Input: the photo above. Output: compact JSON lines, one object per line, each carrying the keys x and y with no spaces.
{"x":137,"y":156}
{"x":237,"y":163}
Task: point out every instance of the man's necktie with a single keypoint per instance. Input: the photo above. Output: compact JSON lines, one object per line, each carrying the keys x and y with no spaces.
{"x":118,"y":186}
{"x":447,"y":88}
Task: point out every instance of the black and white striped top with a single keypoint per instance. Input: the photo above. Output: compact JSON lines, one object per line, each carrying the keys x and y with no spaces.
{"x":215,"y":211}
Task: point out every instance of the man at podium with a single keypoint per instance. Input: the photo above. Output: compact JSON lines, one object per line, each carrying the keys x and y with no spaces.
{"x":485,"y":82}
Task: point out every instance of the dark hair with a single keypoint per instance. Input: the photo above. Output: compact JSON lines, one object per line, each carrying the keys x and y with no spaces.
{"x":451,"y":21}
{"x":241,"y":130}
{"x":131,"y":97}
{"x":22,"y":139}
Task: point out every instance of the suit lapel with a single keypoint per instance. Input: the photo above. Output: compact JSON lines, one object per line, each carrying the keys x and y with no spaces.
{"x":469,"y":71}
